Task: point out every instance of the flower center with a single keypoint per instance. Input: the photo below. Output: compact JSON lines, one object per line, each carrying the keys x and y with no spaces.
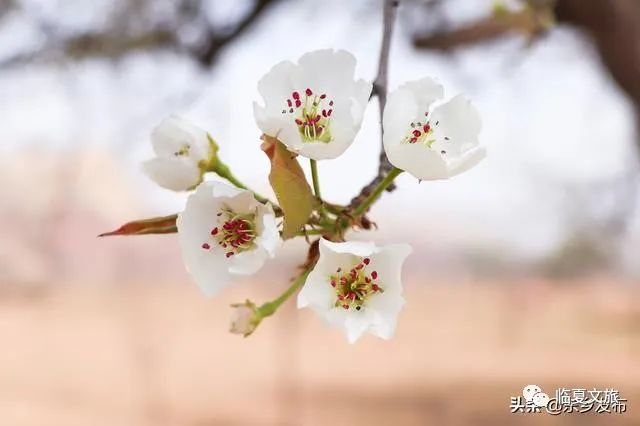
{"x":422,"y":132}
{"x":354,"y":287}
{"x":312,"y":115}
{"x":235,"y":233}
{"x":183,"y":151}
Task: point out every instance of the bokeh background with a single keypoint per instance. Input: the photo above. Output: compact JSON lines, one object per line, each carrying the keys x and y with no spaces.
{"x":525,"y":269}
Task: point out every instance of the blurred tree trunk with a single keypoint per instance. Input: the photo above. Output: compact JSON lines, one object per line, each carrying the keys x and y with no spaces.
{"x":614,"y":26}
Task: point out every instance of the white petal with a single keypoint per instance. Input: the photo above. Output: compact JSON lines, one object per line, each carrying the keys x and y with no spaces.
{"x":326,"y":71}
{"x":269,"y":236}
{"x":458,"y":119}
{"x":248,"y":262}
{"x":426,"y":91}
{"x":277,"y":85}
{"x":355,"y":325}
{"x":468,"y":160}
{"x":173,"y":133}
{"x":357,"y":248}
{"x":317,"y":290}
{"x":172,"y":173}
{"x":419,"y":160}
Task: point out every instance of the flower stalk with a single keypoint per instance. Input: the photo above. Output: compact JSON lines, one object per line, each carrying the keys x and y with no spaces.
{"x":375,"y":194}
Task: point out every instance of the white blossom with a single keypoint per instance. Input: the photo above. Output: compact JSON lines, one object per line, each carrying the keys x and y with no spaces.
{"x":183,"y":152}
{"x":224,"y":232}
{"x":314,"y":107}
{"x":357,"y":286}
{"x":430,"y":142}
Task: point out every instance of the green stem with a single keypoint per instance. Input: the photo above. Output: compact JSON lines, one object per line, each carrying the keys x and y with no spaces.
{"x":269,"y":308}
{"x":388,"y":180}
{"x":314,"y":175}
{"x":224,"y":172}
{"x":316,"y":187}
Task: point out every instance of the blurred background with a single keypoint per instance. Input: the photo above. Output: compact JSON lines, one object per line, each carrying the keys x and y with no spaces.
{"x":525,"y":270}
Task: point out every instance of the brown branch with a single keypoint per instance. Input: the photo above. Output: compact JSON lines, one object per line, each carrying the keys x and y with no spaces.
{"x":115,"y":44}
{"x":217,"y":40}
{"x":380,"y":88}
{"x":614,"y":26}
{"x":529,"y":22}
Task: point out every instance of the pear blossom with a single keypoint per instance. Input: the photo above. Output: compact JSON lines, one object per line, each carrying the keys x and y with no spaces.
{"x":430,"y":142}
{"x":357,"y":286}
{"x":183,"y":152}
{"x":315,"y":107}
{"x":225,"y":232}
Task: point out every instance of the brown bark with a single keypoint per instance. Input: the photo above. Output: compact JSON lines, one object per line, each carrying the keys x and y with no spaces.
{"x":614,"y":26}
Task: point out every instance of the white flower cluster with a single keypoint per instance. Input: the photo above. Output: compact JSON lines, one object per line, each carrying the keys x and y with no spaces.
{"x":315,"y":108}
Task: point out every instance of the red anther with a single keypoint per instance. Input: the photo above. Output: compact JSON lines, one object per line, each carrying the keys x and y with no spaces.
{"x":324,"y":112}
{"x":345,"y":306}
{"x":426,"y":128}
{"x":360,"y":266}
{"x":329,"y":112}
{"x":374,"y":275}
{"x":343,"y":280}
{"x":333,"y":283}
{"x":224,"y":245}
{"x":229,"y":254}
{"x":298,"y":122}
{"x":291,"y":110}
{"x":413,"y":140}
{"x":295,"y":95}
{"x":375,"y":287}
{"x":366,"y":260}
{"x":298,"y":103}
{"x":352,"y":296}
{"x":319,"y":130}
{"x":317,"y":119}
{"x":340,"y":297}
{"x":206,"y":246}
{"x":289,"y":103}
{"x":330,"y":103}
{"x":243,"y":225}
{"x":367,"y":280}
{"x":324,"y":95}
{"x":416,"y":133}
{"x":214,"y":231}
{"x":308,"y":92}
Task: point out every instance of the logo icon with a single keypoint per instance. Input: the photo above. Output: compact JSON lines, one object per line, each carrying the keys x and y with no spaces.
{"x":534,"y":394}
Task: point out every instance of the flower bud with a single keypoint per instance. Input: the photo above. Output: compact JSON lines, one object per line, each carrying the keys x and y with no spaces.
{"x":244,"y":319}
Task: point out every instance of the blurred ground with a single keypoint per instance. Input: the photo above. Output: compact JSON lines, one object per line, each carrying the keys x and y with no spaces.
{"x":160,"y":355}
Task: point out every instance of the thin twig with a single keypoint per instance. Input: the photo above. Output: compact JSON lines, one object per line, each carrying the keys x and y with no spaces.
{"x":380,"y":88}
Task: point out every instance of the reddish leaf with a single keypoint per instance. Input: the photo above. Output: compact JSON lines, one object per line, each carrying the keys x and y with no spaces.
{"x":156,"y":225}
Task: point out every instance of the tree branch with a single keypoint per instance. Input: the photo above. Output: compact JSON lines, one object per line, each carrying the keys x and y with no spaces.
{"x":531,"y":22}
{"x":114,"y":43}
{"x":380,"y":88}
{"x":217,"y":40}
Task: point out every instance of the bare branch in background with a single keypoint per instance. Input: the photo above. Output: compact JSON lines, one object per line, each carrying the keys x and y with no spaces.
{"x":528,"y":22}
{"x":380,"y":88}
{"x":120,"y":39}
{"x":614,"y":26}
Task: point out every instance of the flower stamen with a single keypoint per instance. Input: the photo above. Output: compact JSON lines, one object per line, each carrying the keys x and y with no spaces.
{"x":311,"y":117}
{"x":355,"y":286}
{"x":235,"y":233}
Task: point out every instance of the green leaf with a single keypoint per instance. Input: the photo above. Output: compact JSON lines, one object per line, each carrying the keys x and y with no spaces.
{"x":156,"y":225}
{"x":290,"y":185}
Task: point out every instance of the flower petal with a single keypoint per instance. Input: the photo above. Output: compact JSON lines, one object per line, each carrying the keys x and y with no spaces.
{"x":172,"y":173}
